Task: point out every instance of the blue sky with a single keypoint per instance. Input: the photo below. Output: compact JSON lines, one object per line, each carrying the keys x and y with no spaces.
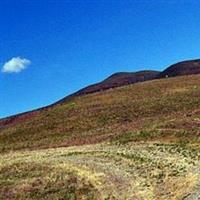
{"x":63,"y":45}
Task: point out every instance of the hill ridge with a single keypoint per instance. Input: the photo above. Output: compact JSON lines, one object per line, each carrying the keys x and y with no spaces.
{"x":118,"y":79}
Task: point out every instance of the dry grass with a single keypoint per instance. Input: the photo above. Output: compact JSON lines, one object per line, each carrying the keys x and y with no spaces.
{"x":102,"y":171}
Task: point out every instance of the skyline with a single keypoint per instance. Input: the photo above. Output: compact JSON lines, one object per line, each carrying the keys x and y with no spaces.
{"x":69,"y":45}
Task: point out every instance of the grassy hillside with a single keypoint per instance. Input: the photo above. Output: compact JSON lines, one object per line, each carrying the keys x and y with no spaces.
{"x":167,"y":108}
{"x":139,"y":141}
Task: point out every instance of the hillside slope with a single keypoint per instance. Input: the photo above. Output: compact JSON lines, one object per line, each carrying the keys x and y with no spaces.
{"x":148,"y":105}
{"x":139,"y":141}
{"x":188,"y":67}
{"x":117,"y":80}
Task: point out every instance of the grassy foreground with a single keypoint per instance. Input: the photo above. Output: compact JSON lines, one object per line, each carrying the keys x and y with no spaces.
{"x":102,"y":171}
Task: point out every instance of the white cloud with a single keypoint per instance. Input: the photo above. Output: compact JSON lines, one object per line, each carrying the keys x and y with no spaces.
{"x":15,"y":65}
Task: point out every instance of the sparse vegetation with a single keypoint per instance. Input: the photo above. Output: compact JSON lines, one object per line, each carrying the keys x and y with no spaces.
{"x":101,"y":171}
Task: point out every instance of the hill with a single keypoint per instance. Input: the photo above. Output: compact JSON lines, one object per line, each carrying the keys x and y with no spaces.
{"x":137,"y":141}
{"x":107,"y":114}
{"x":182,"y":68}
{"x":188,"y":67}
{"x":143,"y":136}
{"x":117,"y":80}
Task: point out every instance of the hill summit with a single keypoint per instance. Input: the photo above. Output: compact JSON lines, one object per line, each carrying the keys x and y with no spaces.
{"x":182,"y":68}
